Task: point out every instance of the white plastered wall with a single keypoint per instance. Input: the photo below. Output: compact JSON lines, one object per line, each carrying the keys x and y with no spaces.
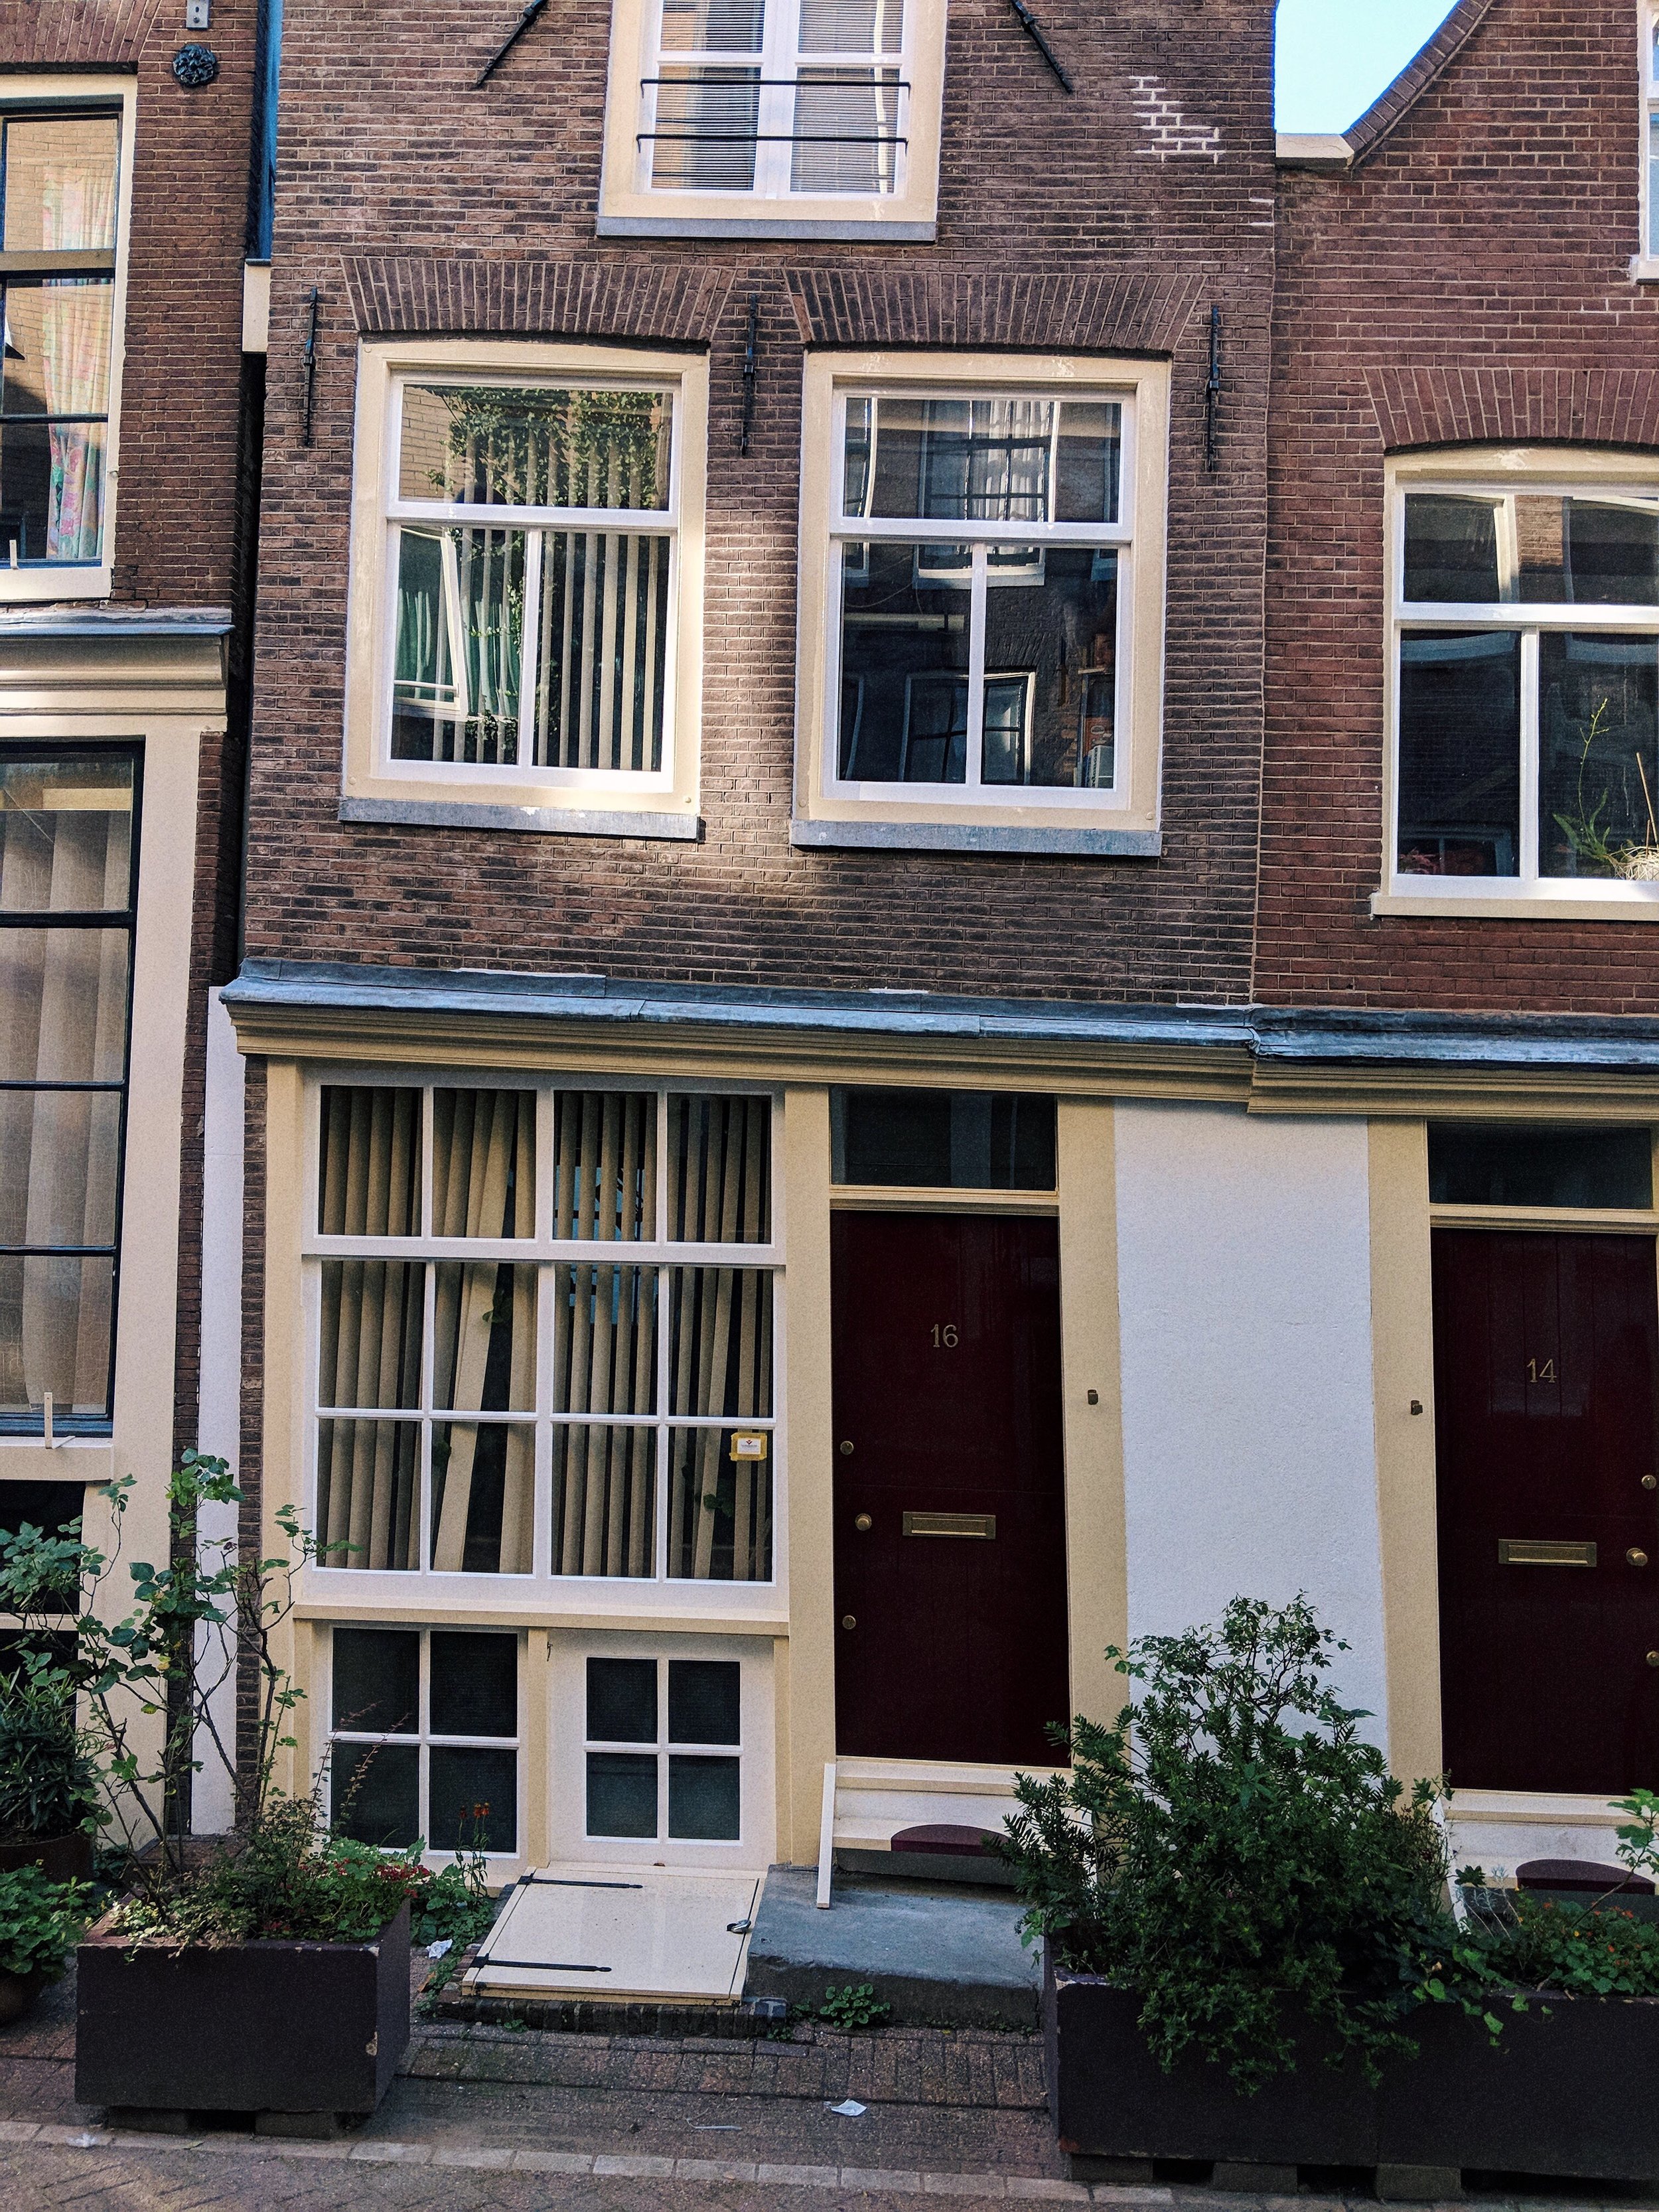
{"x":1249,"y":1443}
{"x":220,"y":1400}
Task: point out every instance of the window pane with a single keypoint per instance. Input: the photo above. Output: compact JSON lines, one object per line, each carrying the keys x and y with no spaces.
{"x":1089,"y":461}
{"x":474,"y":1800}
{"x":605,"y":1164}
{"x":475,"y":1684}
{"x":484,"y":1337}
{"x":56,"y":1508}
{"x":621,"y":1701}
{"x":62,"y":1151}
{"x":604,"y":1501}
{"x":66,"y":834}
{"x":604,"y":1340}
{"x":721,"y":1352}
{"x":720,"y":1510}
{"x":460,"y":638}
{"x":704,"y":1700}
{"x":703,"y":1800}
{"x":1051,"y":680}
{"x":845,"y":127}
{"x":720,"y":1170}
{"x":51,"y":492}
{"x":55,"y":1317}
{"x":720,"y":26}
{"x":370,"y":1353}
{"x":535,"y":446}
{"x":1598,"y":764}
{"x":851,"y":26}
{"x":706,"y":126}
{"x":484,"y":1163}
{"x":1540,"y":1167}
{"x":621,"y":1793}
{"x":60,"y":184}
{"x":368,"y":1478}
{"x":375,"y":1793}
{"x":1460,"y":755}
{"x":64,"y":1005}
{"x":57,"y":351}
{"x":943,"y":1139}
{"x":1451,"y":549}
{"x":376,"y":1681}
{"x":1612,"y":552}
{"x":483,"y":1498}
{"x":904,"y":670}
{"x":963,"y":460}
{"x":601,"y":683}
{"x":370,"y":1178}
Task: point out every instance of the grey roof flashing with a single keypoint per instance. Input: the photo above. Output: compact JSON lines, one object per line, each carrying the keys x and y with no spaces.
{"x":72,"y":621}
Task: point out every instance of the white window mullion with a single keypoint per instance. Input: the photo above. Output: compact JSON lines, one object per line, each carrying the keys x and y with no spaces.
{"x":1529,"y":756}
{"x":773,"y":156}
{"x":530,"y":644}
{"x":976,"y":599}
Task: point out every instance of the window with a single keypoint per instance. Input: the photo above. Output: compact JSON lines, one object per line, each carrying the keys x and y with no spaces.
{"x":663,"y":1740}
{"x":68,"y":876}
{"x":987,"y":582}
{"x":1527,"y":686}
{"x":1648,"y":260}
{"x":424,"y":1746}
{"x":1472,"y":1164}
{"x":61,"y":190}
{"x":543,"y":1325}
{"x":805,"y":117}
{"x":943,"y":1139}
{"x":523,"y":563}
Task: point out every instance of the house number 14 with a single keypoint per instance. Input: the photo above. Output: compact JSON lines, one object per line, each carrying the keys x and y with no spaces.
{"x":945,"y":1338}
{"x":1540,"y":1370}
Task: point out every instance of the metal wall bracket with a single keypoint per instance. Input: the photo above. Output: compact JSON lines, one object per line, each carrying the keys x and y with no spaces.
{"x":531,"y":9}
{"x":751,"y":371}
{"x":1035,"y":32}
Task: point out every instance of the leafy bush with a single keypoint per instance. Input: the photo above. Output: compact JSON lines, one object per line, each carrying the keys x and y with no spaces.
{"x":1234,"y":1852}
{"x":1583,"y":1950}
{"x":48,"y":1785}
{"x":41,"y":1922}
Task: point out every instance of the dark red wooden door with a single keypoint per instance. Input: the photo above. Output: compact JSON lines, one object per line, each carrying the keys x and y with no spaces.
{"x":947,"y":1399}
{"x":1544,"y":1386}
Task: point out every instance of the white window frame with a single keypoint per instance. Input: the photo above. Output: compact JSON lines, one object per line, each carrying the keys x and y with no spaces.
{"x":623,"y":802}
{"x":1124,"y":817}
{"x":422,"y":1735}
{"x":630,"y":207}
{"x":1646,"y":263}
{"x":1492,"y":473}
{"x":461,"y":1595}
{"x":55,"y":580}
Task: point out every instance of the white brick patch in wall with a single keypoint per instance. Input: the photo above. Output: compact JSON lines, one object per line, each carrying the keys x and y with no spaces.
{"x":1164,"y":121}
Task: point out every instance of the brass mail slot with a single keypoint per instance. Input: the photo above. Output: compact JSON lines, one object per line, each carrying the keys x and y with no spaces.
{"x":1524,"y":1551}
{"x":950,"y":1524}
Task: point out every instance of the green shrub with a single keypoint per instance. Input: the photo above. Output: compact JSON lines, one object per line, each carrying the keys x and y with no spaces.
{"x":855,"y":2006}
{"x":48,"y":1785}
{"x":41,"y":1921}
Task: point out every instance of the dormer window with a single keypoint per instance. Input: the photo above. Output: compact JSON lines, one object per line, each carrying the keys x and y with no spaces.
{"x":790,"y":118}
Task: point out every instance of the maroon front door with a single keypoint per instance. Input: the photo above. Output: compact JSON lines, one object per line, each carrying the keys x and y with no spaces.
{"x":1544,"y":1388}
{"x":950,"y":1640}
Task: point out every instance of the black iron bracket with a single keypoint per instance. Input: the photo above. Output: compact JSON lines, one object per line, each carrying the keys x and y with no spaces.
{"x":311,"y":371}
{"x":750,"y":370}
{"x":1035,"y":32}
{"x":1213,"y":395}
{"x":531,"y":9}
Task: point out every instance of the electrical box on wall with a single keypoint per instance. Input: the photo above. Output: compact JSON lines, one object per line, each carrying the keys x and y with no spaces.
{"x":198,"y":14}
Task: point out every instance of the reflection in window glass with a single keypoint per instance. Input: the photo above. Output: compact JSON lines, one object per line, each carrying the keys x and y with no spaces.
{"x":535,"y":446}
{"x":1598,"y":768}
{"x":1471,"y":1165}
{"x":903,"y":673}
{"x":943,"y":1139}
{"x":982,"y":460}
{"x":1053,"y":723}
{"x":1451,"y":550}
{"x":1460,"y":755}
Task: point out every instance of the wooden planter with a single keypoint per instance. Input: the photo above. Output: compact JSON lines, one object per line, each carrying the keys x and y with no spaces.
{"x":1564,"y":2093}
{"x":314,"y":2028}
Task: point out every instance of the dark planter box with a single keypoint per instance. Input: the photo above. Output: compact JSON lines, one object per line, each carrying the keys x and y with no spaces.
{"x":257,"y":2027}
{"x":60,"y":1858}
{"x":1564,"y":2093}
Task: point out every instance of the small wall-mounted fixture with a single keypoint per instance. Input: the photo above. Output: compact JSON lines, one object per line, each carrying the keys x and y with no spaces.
{"x":1417,"y":1405}
{"x":53,"y":1443}
{"x":195,"y":66}
{"x":1094,"y":1397}
{"x":198,"y":14}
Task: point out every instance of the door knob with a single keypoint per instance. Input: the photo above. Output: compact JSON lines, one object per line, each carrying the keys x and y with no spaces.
{"x":1653,"y":1658}
{"x":846,"y":1448}
{"x":849,"y":1620}
{"x":864,"y":1524}
{"x":1635,"y":1559}
{"x":1650,"y":1482}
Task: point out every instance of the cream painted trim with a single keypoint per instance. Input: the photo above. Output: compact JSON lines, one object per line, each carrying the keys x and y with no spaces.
{"x":1096,"y":1542}
{"x":1626,"y":902}
{"x":1534,"y":1809}
{"x":627,"y":210}
{"x":25,"y":587}
{"x":1465,"y":1093}
{"x":1402,"y":1372}
{"x":132,"y":678}
{"x":894,"y":1198}
{"x":807,"y":1690}
{"x":1646,"y":265}
{"x":1145,"y":387}
{"x":256,"y":306}
{"x":430,"y":1609}
{"x":369,"y":772}
{"x":1551,"y":1220}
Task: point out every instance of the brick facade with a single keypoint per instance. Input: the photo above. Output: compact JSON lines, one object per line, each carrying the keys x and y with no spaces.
{"x":1467,"y":282}
{"x":412,"y":201}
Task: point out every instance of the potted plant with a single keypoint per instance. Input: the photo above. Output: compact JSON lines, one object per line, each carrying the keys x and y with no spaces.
{"x":41,"y":1923}
{"x":278,"y":1957}
{"x":49,"y":1803}
{"x":1255,"y":1956}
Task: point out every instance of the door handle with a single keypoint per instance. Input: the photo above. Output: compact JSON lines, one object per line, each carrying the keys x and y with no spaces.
{"x":1635,"y":1559}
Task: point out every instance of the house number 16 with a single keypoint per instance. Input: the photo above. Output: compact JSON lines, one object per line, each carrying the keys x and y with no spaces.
{"x":945,"y":1336}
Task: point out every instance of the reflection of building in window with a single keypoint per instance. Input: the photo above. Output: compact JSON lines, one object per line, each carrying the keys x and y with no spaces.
{"x":424,"y":1746}
{"x":68,"y":871}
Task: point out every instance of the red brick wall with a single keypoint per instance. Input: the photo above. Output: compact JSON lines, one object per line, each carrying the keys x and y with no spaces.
{"x":1469,"y":281}
{"x":387,"y":150}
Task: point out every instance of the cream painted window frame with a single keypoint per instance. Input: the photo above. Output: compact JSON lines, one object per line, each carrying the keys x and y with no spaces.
{"x":51,"y":582}
{"x":583,"y":801}
{"x":628,"y":210}
{"x":413,"y":1593}
{"x":1485,"y":472}
{"x":1645,"y":267}
{"x":1129,"y":812}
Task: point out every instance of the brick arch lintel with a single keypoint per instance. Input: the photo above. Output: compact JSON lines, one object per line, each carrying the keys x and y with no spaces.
{"x":409,"y":295}
{"x":1515,"y":406}
{"x":1133,"y":311}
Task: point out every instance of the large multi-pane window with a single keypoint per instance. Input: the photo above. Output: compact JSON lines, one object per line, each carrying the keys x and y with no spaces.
{"x":68,"y":881}
{"x":424,"y":1744}
{"x":981,"y":549}
{"x":544,"y":1332}
{"x":1527,"y":629}
{"x":59,"y":219}
{"x":532,"y":540}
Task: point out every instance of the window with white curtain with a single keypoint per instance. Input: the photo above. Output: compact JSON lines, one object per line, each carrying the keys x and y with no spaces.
{"x":544,"y":1323}
{"x":68,"y":884}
